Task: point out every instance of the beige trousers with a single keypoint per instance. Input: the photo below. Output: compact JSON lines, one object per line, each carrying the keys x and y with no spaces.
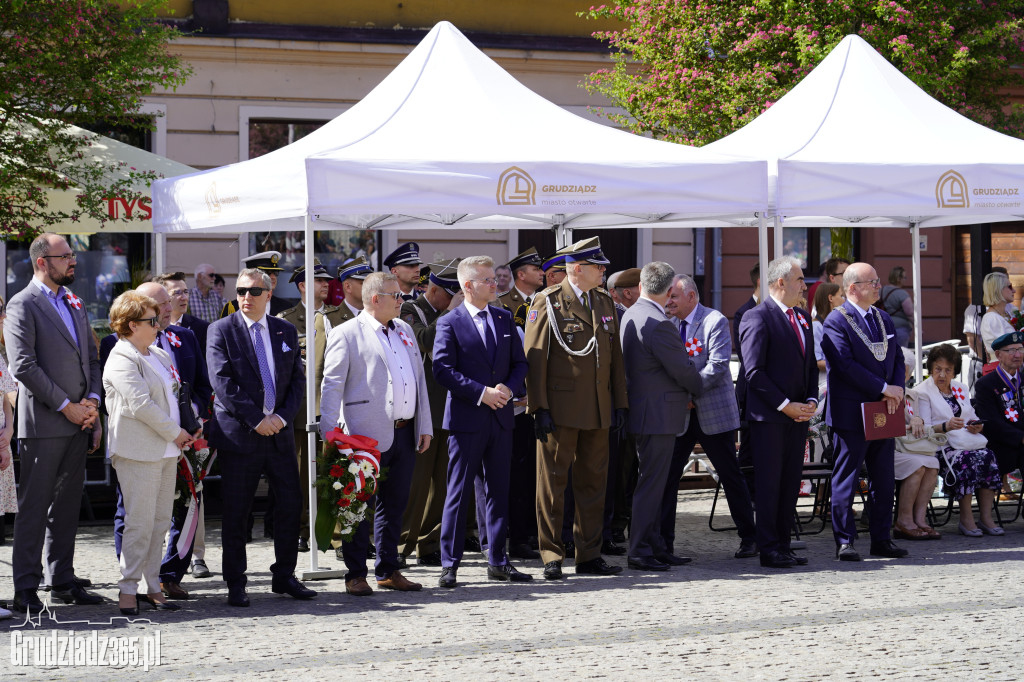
{"x":148,"y":491}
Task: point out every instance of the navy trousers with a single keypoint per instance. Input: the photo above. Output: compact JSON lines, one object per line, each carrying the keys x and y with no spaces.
{"x":484,"y":456}
{"x":721,"y":450}
{"x":778,"y":451}
{"x":522,"y":489}
{"x":240,"y":474}
{"x":852,"y":451}
{"x":389,"y":505}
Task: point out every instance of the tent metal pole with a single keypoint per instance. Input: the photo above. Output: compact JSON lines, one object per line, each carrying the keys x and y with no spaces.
{"x":314,"y":572}
{"x":159,"y":252}
{"x":762,"y":253}
{"x":915,"y":232}
{"x":777,"y":237}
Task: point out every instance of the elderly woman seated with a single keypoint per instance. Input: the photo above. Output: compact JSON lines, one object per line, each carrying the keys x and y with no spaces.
{"x":966,"y":463}
{"x":917,"y":469}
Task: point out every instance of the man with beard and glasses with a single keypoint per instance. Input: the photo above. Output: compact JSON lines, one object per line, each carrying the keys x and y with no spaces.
{"x":54,"y":360}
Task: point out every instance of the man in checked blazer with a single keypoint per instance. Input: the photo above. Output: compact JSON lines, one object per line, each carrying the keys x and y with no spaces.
{"x":714,"y":415}
{"x":53,"y":358}
{"x":258,"y":383}
{"x":374,"y":386}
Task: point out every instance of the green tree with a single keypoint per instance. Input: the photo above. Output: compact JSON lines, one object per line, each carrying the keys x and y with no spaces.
{"x":64,"y":62}
{"x":693,"y":71}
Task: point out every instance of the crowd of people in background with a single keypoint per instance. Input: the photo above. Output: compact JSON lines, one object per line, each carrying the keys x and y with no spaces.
{"x":538,"y":410}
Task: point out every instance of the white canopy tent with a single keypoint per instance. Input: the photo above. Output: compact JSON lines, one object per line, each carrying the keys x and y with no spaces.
{"x":449,"y":139}
{"x":857,"y":143}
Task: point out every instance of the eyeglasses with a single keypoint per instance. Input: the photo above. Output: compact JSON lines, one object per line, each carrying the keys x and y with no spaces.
{"x":396,"y":295}
{"x":255,"y":291}
{"x":179,"y":293}
{"x":66,"y":257}
{"x":153,"y":321}
{"x":490,"y":281}
{"x":873,"y":282}
{"x":1012,"y":351}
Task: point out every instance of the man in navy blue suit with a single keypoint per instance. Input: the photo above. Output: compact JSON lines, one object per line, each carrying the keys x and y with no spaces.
{"x":479,"y":358}
{"x":864,"y":364}
{"x":258,"y":380}
{"x":190,"y":362}
{"x":782,"y":394}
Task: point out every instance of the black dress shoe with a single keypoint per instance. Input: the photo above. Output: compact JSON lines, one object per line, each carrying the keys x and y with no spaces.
{"x":81,"y":582}
{"x":471,"y":544}
{"x":303,"y":545}
{"x":507,"y":572}
{"x":158,"y":605}
{"x":72,"y":593}
{"x":597,"y":566}
{"x":523,"y":551}
{"x":846,"y":552}
{"x":403,"y":562}
{"x":611,"y":549}
{"x":26,"y":600}
{"x":128,"y":610}
{"x":237,"y":596}
{"x":748,"y":548}
{"x":371,"y":552}
{"x":672,"y":559}
{"x":888,"y":549}
{"x":293,"y":588}
{"x":432,"y":559}
{"x":643,"y":563}
{"x":773,"y":559}
{"x":448,"y":577}
{"x":553,"y":570}
{"x":800,"y":560}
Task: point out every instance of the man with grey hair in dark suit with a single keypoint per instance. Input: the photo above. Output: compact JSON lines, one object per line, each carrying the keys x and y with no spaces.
{"x":660,"y":382}
{"x":54,"y":360}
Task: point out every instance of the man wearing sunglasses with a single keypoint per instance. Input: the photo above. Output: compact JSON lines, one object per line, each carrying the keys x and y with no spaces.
{"x":374,"y":386}
{"x":259,"y":381}
{"x":53,"y":358}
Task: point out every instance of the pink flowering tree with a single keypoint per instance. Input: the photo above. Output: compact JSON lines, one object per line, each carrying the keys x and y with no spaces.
{"x":693,"y":71}
{"x":65,"y":62}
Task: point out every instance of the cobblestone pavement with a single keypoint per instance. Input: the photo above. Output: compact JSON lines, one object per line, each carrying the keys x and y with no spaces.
{"x":950,"y":610}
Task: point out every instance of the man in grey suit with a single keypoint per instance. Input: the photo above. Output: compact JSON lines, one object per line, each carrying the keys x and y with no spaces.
{"x":54,"y":359}
{"x":374,"y":386}
{"x":660,"y":381}
{"x":714,"y":415}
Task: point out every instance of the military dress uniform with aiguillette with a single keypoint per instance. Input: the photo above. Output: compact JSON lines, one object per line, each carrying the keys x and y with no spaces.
{"x":576,"y":372}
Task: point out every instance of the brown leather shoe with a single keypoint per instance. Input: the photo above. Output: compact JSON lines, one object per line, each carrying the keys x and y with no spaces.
{"x":397,"y":581}
{"x":357,"y":587}
{"x":173,"y":591}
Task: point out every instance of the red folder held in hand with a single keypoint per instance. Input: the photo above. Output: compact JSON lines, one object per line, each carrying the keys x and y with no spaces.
{"x":879,"y":424}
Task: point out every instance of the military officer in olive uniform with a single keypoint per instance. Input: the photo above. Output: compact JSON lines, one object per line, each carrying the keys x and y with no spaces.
{"x":554,"y":267}
{"x":351,"y":274}
{"x":421,"y":522}
{"x":267,"y":261}
{"x":576,"y":389}
{"x":327,"y":317}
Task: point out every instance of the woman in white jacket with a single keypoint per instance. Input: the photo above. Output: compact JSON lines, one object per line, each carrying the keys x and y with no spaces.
{"x":966,"y":463}
{"x":144,"y":441}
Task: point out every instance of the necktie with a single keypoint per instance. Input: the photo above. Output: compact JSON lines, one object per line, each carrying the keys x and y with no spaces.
{"x":796,"y":328}
{"x":585,"y":300}
{"x":682,"y":332}
{"x":492,"y":346}
{"x":529,"y":300}
{"x":872,"y":327}
{"x":269,"y":392}
{"x":59,"y":302}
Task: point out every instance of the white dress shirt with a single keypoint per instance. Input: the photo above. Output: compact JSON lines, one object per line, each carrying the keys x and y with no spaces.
{"x":267,"y":349}
{"x":403,"y":379}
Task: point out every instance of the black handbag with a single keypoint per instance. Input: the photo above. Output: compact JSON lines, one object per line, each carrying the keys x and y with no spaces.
{"x":187,"y":417}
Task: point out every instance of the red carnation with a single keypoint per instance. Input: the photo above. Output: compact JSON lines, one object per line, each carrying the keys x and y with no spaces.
{"x":363,"y":496}
{"x":337,"y":471}
{"x":344,"y":502}
{"x":349,"y":489}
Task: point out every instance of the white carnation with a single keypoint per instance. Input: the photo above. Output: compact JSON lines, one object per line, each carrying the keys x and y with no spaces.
{"x":337,"y":485}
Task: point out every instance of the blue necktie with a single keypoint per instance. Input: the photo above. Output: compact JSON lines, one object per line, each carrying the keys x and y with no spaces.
{"x":872,"y":327}
{"x":492,"y":346}
{"x":269,"y":392}
{"x":682,"y":332}
{"x":59,"y":302}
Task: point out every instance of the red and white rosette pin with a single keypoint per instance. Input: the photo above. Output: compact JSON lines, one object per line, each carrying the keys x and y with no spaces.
{"x":803,"y":321}
{"x":959,"y":393}
{"x":175,"y":375}
{"x":1011,"y":414}
{"x":74,"y":301}
{"x":405,"y":338}
{"x":694,"y":346}
{"x":173,"y":339}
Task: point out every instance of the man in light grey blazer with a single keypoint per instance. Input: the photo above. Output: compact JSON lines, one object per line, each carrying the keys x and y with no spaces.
{"x":714,"y":415}
{"x":53,"y":357}
{"x":374,"y":386}
{"x":660,"y":381}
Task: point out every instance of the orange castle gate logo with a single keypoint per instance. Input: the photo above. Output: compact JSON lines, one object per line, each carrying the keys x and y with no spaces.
{"x":951,"y":191}
{"x":516,"y":188}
